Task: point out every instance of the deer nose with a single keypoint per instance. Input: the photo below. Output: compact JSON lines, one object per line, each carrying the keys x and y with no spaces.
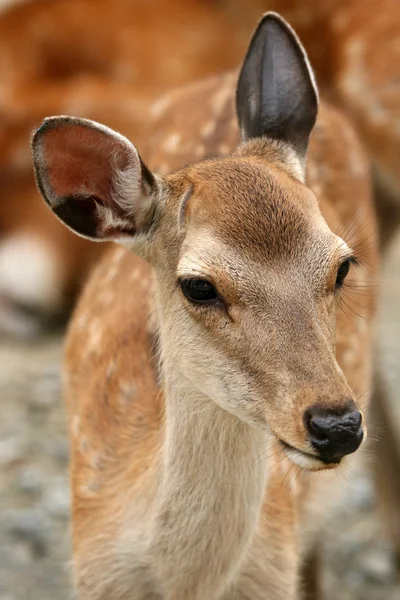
{"x":334,"y":433}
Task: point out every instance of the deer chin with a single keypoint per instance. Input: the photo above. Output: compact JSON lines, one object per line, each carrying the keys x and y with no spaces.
{"x":307,"y":461}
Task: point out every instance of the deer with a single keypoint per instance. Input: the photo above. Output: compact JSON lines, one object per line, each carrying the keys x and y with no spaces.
{"x":214,"y":381}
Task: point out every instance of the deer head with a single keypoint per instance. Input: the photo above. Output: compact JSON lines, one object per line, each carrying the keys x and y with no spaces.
{"x":247,"y":272}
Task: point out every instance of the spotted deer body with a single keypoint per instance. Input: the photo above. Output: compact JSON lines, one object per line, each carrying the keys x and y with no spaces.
{"x":206,"y":381}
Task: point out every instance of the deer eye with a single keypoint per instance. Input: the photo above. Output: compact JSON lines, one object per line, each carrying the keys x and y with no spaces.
{"x":199,"y":291}
{"x":342,"y":273}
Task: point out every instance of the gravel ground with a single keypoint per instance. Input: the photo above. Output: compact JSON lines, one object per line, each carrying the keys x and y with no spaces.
{"x":34,"y":499}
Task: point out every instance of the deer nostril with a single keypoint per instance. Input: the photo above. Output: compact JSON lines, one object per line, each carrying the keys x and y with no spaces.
{"x":315,"y":428}
{"x":334,"y":432}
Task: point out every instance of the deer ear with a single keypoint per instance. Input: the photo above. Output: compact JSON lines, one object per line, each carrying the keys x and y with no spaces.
{"x":276,"y":94}
{"x":93,"y":178}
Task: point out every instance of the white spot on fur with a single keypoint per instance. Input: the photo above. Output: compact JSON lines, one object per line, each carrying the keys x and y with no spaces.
{"x":111,"y":273}
{"x":160,"y":106}
{"x":348,"y":357}
{"x":172,"y":142}
{"x":208,"y":129}
{"x":220,"y":99}
{"x":117,"y":256}
{"x":95,"y":336}
{"x":75,"y":425}
{"x":134,"y":275}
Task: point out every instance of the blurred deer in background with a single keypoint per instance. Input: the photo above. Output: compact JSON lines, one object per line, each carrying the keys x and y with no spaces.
{"x":205,"y":382}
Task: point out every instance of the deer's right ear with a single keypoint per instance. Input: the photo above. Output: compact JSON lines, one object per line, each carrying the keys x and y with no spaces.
{"x":93,"y":179}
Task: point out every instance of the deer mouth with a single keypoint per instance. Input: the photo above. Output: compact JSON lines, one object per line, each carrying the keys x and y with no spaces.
{"x":308,"y":461}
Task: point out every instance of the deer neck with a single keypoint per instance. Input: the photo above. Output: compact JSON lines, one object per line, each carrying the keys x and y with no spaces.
{"x":202,"y":439}
{"x":212,"y":489}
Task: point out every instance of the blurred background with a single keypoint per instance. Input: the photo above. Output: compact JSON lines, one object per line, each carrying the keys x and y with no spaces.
{"x":109,"y":60}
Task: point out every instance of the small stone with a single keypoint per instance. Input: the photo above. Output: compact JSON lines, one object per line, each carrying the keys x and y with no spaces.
{"x":31,"y":481}
{"x":354,"y":579}
{"x":379,"y":566}
{"x":60,"y":451}
{"x":46,"y":391}
{"x":30,"y":526}
{"x":11,"y":449}
{"x":22,"y":554}
{"x":57,"y":500}
{"x":361,"y":494}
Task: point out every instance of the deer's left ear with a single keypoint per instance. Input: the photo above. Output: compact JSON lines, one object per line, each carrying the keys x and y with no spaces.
{"x":276,"y":94}
{"x":93,"y":179}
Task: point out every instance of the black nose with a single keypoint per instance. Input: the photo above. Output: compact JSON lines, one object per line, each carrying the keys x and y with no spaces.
{"x":334,"y":432}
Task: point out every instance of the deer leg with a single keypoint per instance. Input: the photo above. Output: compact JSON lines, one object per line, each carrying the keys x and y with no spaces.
{"x":386,"y":466}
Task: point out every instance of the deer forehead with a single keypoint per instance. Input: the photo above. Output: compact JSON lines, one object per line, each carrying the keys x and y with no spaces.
{"x":254,"y":210}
